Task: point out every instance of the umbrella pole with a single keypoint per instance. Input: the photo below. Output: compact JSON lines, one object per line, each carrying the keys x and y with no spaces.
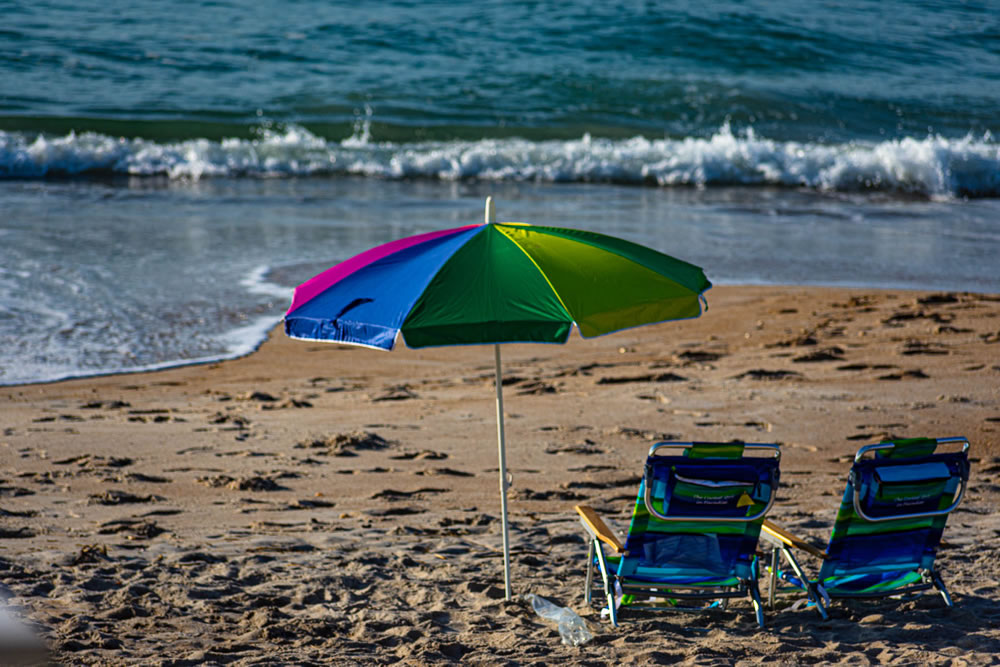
{"x":491,"y":217}
{"x":503,"y":475}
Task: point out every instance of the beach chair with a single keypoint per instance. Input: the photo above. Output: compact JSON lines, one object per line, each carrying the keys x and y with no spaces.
{"x":694,"y":530}
{"x":888,"y":528}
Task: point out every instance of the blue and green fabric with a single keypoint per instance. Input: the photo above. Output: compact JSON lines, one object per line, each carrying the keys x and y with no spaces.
{"x":694,"y":528}
{"x":891,"y":519}
{"x":503,"y":282}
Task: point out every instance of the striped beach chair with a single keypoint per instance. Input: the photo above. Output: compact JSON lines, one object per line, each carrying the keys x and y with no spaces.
{"x":693,"y":536}
{"x":888,"y":528}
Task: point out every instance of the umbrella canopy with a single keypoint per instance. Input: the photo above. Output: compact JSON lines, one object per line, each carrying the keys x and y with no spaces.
{"x":506,"y":282}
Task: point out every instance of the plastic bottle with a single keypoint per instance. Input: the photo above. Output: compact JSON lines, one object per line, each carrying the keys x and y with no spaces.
{"x":572,"y":628}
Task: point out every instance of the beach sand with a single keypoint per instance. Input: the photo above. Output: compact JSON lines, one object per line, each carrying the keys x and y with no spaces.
{"x":320,"y":504}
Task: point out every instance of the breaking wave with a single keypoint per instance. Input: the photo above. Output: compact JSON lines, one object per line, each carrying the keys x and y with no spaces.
{"x":933,"y":166}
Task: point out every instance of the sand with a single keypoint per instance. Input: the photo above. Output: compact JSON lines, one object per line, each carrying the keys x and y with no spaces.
{"x":319,"y":504}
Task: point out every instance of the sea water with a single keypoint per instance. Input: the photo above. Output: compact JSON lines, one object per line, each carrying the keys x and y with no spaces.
{"x":168,"y":175}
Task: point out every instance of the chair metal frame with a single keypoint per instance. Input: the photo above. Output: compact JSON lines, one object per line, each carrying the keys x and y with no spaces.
{"x":782,"y":543}
{"x":599,"y":532}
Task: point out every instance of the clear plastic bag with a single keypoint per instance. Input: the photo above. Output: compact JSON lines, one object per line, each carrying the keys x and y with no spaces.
{"x":572,"y":628}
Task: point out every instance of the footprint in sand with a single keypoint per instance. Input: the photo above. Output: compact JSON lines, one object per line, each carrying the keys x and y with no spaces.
{"x":804,"y":339}
{"x":916,"y":374}
{"x":153,"y":415}
{"x":697,"y":356}
{"x":52,"y":418}
{"x":395,"y":511}
{"x":937,"y":299}
{"x":400,"y":392}
{"x":587,"y":368}
{"x":238,"y":422}
{"x":96,"y":461}
{"x":764,"y":374}
{"x":948,"y":329}
{"x":443,"y":471}
{"x":91,"y":553}
{"x":309,"y":504}
{"x":864,"y":302}
{"x":537,"y":388}
{"x":377,"y":470}
{"x":347,"y":444}
{"x":417,"y":494}
{"x":853,"y":367}
{"x":641,"y":433}
{"x":425,"y":454}
{"x":914,"y":347}
{"x":649,"y":377}
{"x":133,"y":529}
{"x":259,"y":396}
{"x":826,"y":354}
{"x":901,"y":317}
{"x":18,"y":533}
{"x":139,"y":478}
{"x":586,"y":448}
{"x":873,"y":432}
{"x":267,"y":401}
{"x":529,"y":494}
{"x":107,"y":405}
{"x":14,"y":491}
{"x":115,"y":497}
{"x":254,"y":483}
{"x":630,"y":482}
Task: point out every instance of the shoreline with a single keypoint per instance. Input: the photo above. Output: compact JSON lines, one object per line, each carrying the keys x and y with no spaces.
{"x":316,"y":502}
{"x":271,"y":330}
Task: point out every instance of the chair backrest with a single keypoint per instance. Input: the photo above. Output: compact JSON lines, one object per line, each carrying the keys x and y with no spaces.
{"x":898,"y":497}
{"x":699,"y":510}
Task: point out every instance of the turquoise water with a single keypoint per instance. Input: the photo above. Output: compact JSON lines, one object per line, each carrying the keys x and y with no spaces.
{"x":809,"y":71}
{"x":169,"y":170}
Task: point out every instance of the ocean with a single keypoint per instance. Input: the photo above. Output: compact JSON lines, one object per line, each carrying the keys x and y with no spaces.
{"x":169,"y":171}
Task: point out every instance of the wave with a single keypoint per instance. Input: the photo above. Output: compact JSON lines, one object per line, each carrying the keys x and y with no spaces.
{"x":933,"y":166}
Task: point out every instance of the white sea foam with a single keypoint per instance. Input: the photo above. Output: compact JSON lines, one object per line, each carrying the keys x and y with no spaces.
{"x":236,"y":343}
{"x":256,"y":282}
{"x":933,"y":166}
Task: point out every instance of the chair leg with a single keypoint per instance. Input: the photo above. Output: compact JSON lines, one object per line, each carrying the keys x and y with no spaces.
{"x":608,"y":589}
{"x":818,"y":595}
{"x":772,"y":589}
{"x":814,"y":591}
{"x":942,"y":589}
{"x":588,"y":586}
{"x":758,"y":606}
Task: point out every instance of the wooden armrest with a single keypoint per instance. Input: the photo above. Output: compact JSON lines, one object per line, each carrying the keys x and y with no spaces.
{"x":786,"y":538}
{"x":600,"y":529}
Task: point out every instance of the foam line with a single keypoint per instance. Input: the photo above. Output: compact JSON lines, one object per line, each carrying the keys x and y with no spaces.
{"x":932,"y":166}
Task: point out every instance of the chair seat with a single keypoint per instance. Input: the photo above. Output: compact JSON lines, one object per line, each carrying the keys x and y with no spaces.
{"x":671,"y":576}
{"x":681,"y":579}
{"x":873,"y":583}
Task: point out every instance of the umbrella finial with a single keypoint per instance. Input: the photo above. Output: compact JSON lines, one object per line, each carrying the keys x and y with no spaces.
{"x":491,"y":211}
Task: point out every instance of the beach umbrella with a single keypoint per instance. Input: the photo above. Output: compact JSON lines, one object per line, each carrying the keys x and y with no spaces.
{"x":498,"y":282}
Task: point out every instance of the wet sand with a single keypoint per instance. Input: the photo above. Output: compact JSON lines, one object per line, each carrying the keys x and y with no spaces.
{"x":320,"y":504}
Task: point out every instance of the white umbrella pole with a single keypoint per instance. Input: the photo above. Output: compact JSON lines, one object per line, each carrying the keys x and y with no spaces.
{"x":491,"y":217}
{"x":503,"y":475}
